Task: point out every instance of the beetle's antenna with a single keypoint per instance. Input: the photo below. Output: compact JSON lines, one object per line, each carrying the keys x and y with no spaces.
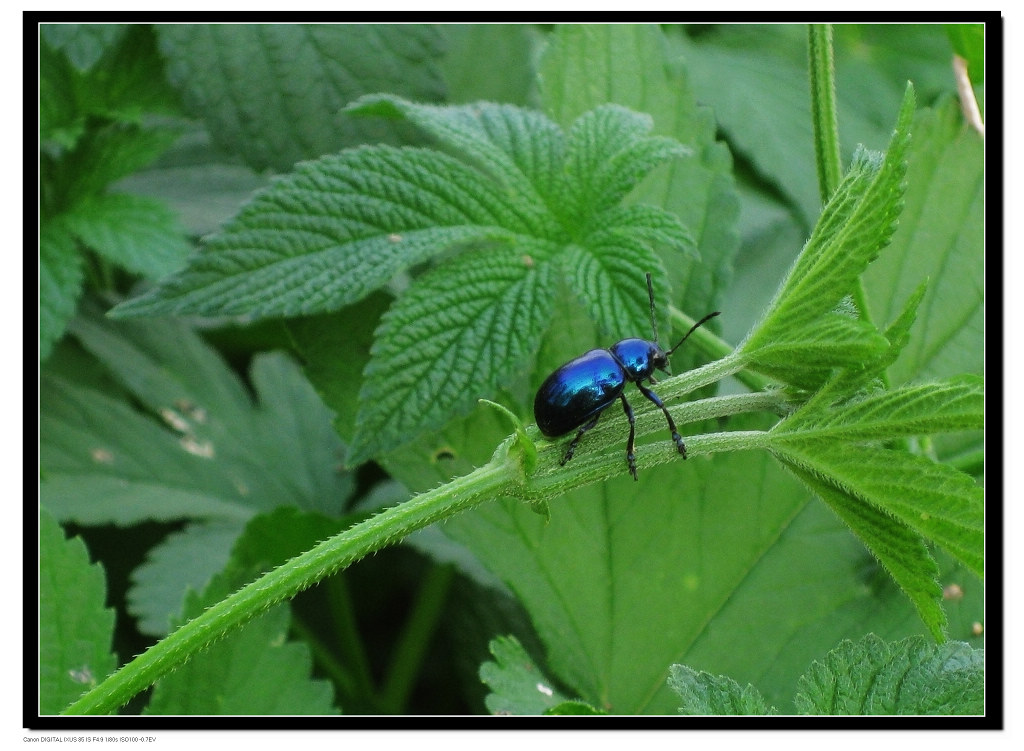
{"x":693,"y":328}
{"x":654,"y":318}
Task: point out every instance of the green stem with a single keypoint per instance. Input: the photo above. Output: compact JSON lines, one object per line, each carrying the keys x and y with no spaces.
{"x":349,"y":643}
{"x":297,"y":574}
{"x":823,"y":109}
{"x":825,"y":121}
{"x":416,"y":636}
{"x":716,"y":348}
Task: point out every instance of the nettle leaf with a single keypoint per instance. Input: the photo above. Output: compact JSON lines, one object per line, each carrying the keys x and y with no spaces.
{"x":609,"y":281}
{"x":138,"y":233}
{"x":272,"y":92}
{"x":521,"y":149}
{"x":106,"y":154}
{"x":331,"y":232}
{"x":941,"y":236}
{"x":835,"y":340}
{"x":937,"y":501}
{"x":921,"y":409}
{"x":61,"y":122}
{"x":890,"y":499}
{"x":706,"y":694}
{"x":342,"y":226}
{"x":60,"y":283}
{"x":851,"y":379}
{"x":447,"y":342}
{"x":908,"y":677}
{"x":608,"y":155}
{"x":576,"y":75}
{"x":900,"y":551}
{"x":806,"y":322}
{"x":75,"y":629}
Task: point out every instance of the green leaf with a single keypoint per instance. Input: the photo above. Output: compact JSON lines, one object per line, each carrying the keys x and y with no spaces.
{"x":606,"y":275}
{"x":330,"y":233}
{"x":425,"y":366}
{"x":942,"y":504}
{"x":83,"y":43}
{"x":106,"y":154}
{"x":940,"y":237}
{"x":183,"y":561}
{"x":75,"y":629}
{"x":216,"y":456}
{"x":341,"y":227}
{"x":60,"y":283}
{"x":754,"y":77}
{"x":706,"y":694}
{"x":61,"y":123}
{"x":285,"y":108}
{"x":860,"y":376}
{"x":909,"y":677}
{"x":805,"y":356}
{"x":587,"y":65}
{"x":900,"y":550}
{"x":968,"y":40}
{"x":137,"y":233}
{"x":578,"y":179}
{"x":102,"y":462}
{"x":608,"y":153}
{"x":956,"y":404}
{"x":508,"y":48}
{"x":518,"y":687}
{"x":520,"y":149}
{"x":855,"y":225}
{"x":128,"y":80}
{"x":723,"y":563}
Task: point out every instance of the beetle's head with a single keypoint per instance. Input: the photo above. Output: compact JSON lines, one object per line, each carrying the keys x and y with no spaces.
{"x":659,"y":360}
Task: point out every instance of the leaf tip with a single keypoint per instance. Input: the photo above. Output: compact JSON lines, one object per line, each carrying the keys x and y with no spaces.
{"x":378,"y":105}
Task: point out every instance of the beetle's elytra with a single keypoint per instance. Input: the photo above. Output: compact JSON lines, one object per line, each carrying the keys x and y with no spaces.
{"x":575,"y":395}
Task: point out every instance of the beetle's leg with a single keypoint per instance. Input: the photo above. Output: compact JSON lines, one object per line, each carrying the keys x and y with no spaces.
{"x":671,"y":424}
{"x":579,"y":434}
{"x":630,"y":448}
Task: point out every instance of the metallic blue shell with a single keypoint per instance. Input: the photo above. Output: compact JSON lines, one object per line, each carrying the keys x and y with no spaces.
{"x":577,"y":390}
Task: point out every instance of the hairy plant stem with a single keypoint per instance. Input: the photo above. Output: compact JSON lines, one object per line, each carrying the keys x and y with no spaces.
{"x":505,"y":474}
{"x":823,"y":109}
{"x":392,"y":524}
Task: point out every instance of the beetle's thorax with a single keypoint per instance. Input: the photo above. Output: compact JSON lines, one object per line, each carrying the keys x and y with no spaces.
{"x":638,"y":358}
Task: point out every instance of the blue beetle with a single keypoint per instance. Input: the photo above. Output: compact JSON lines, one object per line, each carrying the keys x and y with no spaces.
{"x":575,"y":395}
